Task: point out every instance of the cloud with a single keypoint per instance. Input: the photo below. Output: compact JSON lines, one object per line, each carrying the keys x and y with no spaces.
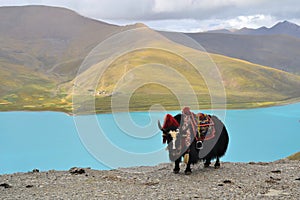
{"x":181,"y":14}
{"x":172,"y":9}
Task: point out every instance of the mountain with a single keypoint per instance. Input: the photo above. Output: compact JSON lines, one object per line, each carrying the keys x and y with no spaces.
{"x":281,"y":28}
{"x":247,"y":85}
{"x":49,"y":38}
{"x":43,"y":47}
{"x":277,"y":47}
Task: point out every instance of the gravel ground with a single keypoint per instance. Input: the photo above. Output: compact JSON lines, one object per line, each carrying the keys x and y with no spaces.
{"x":274,"y":180}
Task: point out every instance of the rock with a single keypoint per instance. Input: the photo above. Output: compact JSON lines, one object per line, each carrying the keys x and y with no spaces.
{"x":227,"y":181}
{"x":75,"y":170}
{"x":276,"y":171}
{"x":35,"y":171}
{"x":5,"y":185}
{"x":275,"y":179}
{"x":29,"y":186}
{"x":150,"y":183}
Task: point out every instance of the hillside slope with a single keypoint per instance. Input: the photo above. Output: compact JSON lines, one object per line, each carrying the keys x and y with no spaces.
{"x":277,"y":51}
{"x":246,"y":84}
{"x":49,"y":38}
{"x":42,"y":49}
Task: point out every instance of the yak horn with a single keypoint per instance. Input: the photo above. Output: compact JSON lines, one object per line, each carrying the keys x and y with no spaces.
{"x":159,"y":126}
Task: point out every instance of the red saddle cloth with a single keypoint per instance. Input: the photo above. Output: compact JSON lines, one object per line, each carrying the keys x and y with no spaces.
{"x":189,"y":125}
{"x":200,"y":125}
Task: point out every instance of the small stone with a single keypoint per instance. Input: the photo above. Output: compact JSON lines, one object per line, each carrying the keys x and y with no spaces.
{"x":29,"y":186}
{"x":227,"y":181}
{"x":275,"y":179}
{"x":75,"y":170}
{"x":263,"y":163}
{"x":151,"y":183}
{"x":35,"y":171}
{"x":5,"y":185}
{"x":276,"y":171}
{"x":270,"y":181}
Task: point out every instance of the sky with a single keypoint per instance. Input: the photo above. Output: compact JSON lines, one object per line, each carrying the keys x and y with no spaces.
{"x":181,"y":15}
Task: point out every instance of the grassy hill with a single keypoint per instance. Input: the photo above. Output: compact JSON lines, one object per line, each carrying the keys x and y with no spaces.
{"x":295,"y":156}
{"x":41,"y":48}
{"x":24,"y":89}
{"x":40,"y":57}
{"x":277,"y":51}
{"x":247,"y":85}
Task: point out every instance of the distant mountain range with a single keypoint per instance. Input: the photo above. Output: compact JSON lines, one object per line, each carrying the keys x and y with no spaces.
{"x":277,"y":47}
{"x":43,"y":47}
{"x":281,"y":28}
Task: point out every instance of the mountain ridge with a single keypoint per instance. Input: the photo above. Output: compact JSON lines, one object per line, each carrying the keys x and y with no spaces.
{"x":281,"y":28}
{"x":274,"y":50}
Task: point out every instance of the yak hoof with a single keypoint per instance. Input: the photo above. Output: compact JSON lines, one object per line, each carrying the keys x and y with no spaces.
{"x":217,"y":166}
{"x":206,"y":165}
{"x":176,"y":171}
{"x":188,"y":172}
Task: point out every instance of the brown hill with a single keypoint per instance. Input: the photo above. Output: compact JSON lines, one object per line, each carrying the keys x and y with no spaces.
{"x":47,"y":38}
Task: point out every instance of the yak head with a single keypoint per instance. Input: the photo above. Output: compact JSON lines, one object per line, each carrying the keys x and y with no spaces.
{"x":171,"y":135}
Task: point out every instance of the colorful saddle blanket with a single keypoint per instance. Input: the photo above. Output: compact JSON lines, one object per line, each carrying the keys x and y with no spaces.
{"x":200,"y":125}
{"x":206,"y":129}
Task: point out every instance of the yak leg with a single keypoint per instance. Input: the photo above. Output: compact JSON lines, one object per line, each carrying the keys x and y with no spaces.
{"x":217,"y":164}
{"x":207,"y":162}
{"x":188,"y":170}
{"x":176,"y":169}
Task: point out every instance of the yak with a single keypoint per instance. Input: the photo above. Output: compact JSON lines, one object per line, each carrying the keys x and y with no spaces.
{"x":194,"y":137}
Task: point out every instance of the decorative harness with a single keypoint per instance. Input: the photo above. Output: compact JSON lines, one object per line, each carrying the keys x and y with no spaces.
{"x":201,"y":125}
{"x":206,"y":127}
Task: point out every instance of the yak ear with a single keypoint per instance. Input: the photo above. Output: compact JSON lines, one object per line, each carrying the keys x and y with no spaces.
{"x":159,"y":126}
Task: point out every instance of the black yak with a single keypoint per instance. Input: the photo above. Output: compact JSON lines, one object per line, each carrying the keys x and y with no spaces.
{"x":194,"y":137}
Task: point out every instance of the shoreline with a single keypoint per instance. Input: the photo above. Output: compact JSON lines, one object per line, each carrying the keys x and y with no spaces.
{"x":232,"y":107}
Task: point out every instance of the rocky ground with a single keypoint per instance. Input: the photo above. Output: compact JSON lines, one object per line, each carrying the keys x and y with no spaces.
{"x":275,"y":180}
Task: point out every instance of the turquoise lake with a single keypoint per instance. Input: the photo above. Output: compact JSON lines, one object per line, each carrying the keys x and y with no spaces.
{"x":53,"y":140}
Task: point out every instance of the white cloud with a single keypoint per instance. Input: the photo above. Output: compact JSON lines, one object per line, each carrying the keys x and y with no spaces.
{"x":188,"y":5}
{"x":181,"y":15}
{"x":252,"y":21}
{"x":194,"y":25}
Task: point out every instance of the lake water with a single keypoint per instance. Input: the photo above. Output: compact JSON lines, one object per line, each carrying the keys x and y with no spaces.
{"x":52,"y":140}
